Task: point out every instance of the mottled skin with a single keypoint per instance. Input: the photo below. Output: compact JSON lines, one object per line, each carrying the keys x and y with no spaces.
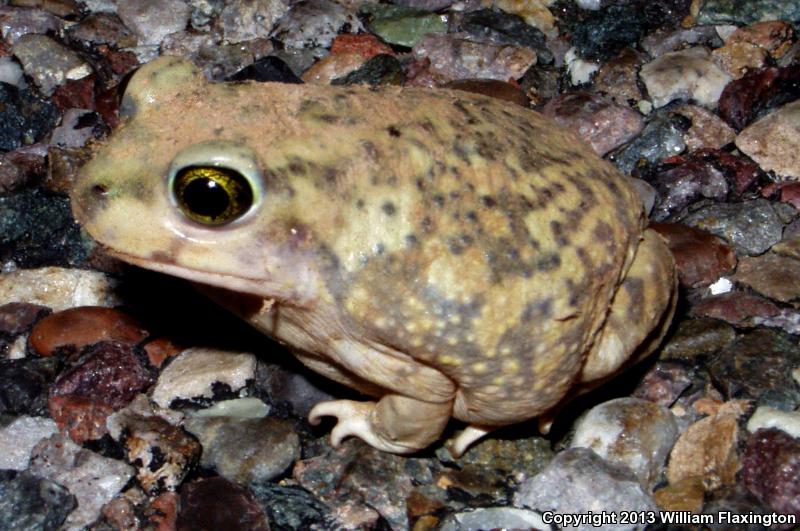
{"x":446,"y":253}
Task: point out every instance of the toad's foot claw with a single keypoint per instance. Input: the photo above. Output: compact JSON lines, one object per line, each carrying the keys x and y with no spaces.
{"x":464,"y":439}
{"x":356,"y":419}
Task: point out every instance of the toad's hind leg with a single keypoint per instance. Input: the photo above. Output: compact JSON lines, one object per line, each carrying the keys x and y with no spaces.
{"x":395,"y":423}
{"x":639,"y":315}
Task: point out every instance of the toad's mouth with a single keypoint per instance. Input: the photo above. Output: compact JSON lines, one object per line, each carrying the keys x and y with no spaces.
{"x":263,"y":288}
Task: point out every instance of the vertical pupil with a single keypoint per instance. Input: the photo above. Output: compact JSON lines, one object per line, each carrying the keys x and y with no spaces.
{"x":206,"y":197}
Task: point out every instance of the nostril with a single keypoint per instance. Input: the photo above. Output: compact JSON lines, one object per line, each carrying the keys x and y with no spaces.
{"x":99,"y":189}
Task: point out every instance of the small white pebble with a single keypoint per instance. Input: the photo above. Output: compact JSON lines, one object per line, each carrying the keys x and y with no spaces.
{"x":243,"y":408}
{"x":723,"y":285}
{"x":770,"y":417}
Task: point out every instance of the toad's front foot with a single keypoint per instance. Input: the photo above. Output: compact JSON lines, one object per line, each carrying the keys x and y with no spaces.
{"x":395,"y":423}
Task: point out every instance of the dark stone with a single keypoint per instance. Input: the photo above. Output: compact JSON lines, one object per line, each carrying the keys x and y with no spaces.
{"x":31,"y":503}
{"x":18,"y":317}
{"x":498,"y":27}
{"x":491,"y":87}
{"x":269,"y":68}
{"x":37,"y":229}
{"x":758,"y":366}
{"x":771,"y":470}
{"x":736,"y":500}
{"x":24,"y":385}
{"x":745,"y":12}
{"x":604,"y":33}
{"x":679,"y":185}
{"x":701,"y":257}
{"x":541,"y":84}
{"x":664,"y":383}
{"x":216,"y":503}
{"x":757,"y":93}
{"x":662,"y":137}
{"x":292,"y":507}
{"x":108,"y":371}
{"x":694,"y":338}
{"x":24,"y":117}
{"x":382,"y":69}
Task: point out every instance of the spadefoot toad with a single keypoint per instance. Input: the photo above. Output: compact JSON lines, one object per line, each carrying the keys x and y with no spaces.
{"x":446,"y":253}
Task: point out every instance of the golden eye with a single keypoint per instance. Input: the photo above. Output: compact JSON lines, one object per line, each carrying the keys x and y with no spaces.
{"x":212,"y":195}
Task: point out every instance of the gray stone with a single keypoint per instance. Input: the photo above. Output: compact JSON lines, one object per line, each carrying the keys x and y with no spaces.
{"x":751,"y":227}
{"x":94,"y":480}
{"x":246,"y":450}
{"x":243,"y":20}
{"x":49,"y":63}
{"x":579,"y":481}
{"x":631,"y":432}
{"x":152,"y":20}
{"x":311,"y":23}
{"x":16,"y":22}
{"x":494,"y":518}
{"x":31,"y":503}
{"x":663,"y":136}
{"x":746,"y":12}
{"x":18,"y":439}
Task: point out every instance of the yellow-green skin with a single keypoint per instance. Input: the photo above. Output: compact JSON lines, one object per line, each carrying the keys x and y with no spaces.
{"x":449,"y":254}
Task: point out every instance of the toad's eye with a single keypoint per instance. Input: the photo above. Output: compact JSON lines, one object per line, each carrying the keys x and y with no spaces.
{"x":212,"y":195}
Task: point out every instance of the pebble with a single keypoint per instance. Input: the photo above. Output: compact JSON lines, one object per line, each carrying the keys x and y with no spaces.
{"x":345,"y":479}
{"x":102,"y":28}
{"x":765,"y":417}
{"x":18,"y":438}
{"x":378,"y":70}
{"x":152,"y":20}
{"x":197,"y":373}
{"x":736,"y":308}
{"x":270,"y":68}
{"x":48,"y":62}
{"x":403,"y":26}
{"x":701,"y":257}
{"x":540,"y":84}
{"x":746,"y":12}
{"x":618,"y":78}
{"x":314,"y":23}
{"x":32,"y":503}
{"x":697,"y":337}
{"x":240,"y":408}
{"x":163,"y":454}
{"x":78,"y":327}
{"x":292,"y":507}
{"x":757,"y":92}
{"x":14,"y":23}
{"x":26,"y":118}
{"x":596,"y":119}
{"x":494,"y":518}
{"x":751,"y":227}
{"x":661,"y":137}
{"x":291,"y":390}
{"x":81,"y":418}
{"x":669,"y":40}
{"x":533,"y":12}
{"x":365,"y":44}
{"x":664,"y":383}
{"x":455,"y":57}
{"x":771,"y":470}
{"x":758,"y":366}
{"x":18,"y":317}
{"x":246,"y":450}
{"x":708,"y":131}
{"x":338,"y":66}
{"x":772,"y":275}
{"x":11,"y":72}
{"x":216,"y":503}
{"x":630,"y":432}
{"x":498,"y":27}
{"x":58,"y":288}
{"x":578,"y":481}
{"x":686,"y":74}
{"x":772,"y":141}
{"x":707,"y":449}
{"x":524,"y":455}
{"x":25,"y":384}
{"x":602,"y":34}
{"x":685,"y":495}
{"x":92,"y":479}
{"x":244,"y":20}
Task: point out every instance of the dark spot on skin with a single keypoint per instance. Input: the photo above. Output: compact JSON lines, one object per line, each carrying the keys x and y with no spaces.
{"x":296,"y":167}
{"x":548,"y":262}
{"x":388,"y":208}
{"x":161,"y":257}
{"x":218,"y":131}
{"x":411,"y":240}
{"x":370,"y":149}
{"x":454,"y":195}
{"x":466,"y":239}
{"x":393,"y":131}
{"x":360,"y":204}
{"x":420,"y":184}
{"x":538,"y":310}
{"x":328,"y":118}
{"x":472,"y":216}
{"x":558,"y":233}
{"x":427,"y":126}
{"x":635,"y":289}
{"x":99,"y":190}
{"x":461,"y":150}
{"x":378,"y":248}
{"x":603,"y":233}
{"x":488,"y":201}
{"x":438,"y":200}
{"x":426,"y":224}
{"x":454,"y":246}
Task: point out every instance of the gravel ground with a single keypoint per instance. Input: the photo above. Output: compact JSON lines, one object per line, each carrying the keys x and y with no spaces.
{"x":128,"y":401}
